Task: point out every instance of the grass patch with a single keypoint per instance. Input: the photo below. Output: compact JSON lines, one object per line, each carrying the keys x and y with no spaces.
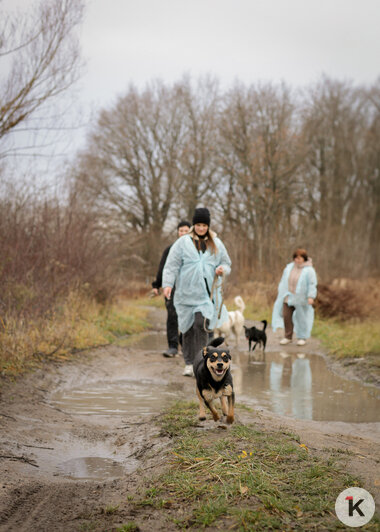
{"x":157,"y":302}
{"x":345,"y":339}
{"x":245,"y":479}
{"x":129,"y":527}
{"x":76,"y":324}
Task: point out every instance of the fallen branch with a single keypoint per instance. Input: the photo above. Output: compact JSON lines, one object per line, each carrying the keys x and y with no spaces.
{"x":10,"y":417}
{"x":22,"y":458}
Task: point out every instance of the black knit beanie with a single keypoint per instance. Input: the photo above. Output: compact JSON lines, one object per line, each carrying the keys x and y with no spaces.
{"x":182,"y":223}
{"x":201,"y":216}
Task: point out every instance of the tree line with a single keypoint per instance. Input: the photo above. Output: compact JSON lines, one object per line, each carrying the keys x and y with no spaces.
{"x":277,"y":167}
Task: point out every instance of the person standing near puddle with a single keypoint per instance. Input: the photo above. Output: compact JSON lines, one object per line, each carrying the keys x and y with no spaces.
{"x":293,"y":308}
{"x":196,"y":264}
{"x":171,"y":321}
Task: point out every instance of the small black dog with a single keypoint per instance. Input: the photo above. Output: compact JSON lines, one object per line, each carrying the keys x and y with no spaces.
{"x":214,"y":380}
{"x":256,"y":335}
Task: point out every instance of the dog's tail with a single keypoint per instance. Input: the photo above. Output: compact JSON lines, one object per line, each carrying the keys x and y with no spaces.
{"x":240,"y":303}
{"x":265,"y":324}
{"x":215,"y":342}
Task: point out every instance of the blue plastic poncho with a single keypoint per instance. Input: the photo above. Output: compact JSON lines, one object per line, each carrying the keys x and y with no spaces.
{"x":303,"y":316}
{"x":188,"y":269}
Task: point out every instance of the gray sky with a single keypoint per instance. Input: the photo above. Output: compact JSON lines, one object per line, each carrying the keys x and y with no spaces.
{"x":296,"y":41}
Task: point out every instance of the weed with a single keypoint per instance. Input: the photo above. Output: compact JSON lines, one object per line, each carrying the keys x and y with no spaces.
{"x":129,"y":527}
{"x":109,"y":510}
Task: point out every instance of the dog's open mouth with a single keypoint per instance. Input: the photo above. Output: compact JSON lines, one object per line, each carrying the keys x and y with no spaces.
{"x":219,"y":371}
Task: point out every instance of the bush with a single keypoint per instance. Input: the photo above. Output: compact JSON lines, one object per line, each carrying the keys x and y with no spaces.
{"x":347,"y":299}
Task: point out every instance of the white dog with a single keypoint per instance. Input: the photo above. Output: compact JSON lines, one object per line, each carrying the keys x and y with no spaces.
{"x":235,"y":322}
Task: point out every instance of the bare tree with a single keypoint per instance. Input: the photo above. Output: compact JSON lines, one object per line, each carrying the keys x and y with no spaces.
{"x":131,"y":160}
{"x":261,"y":153}
{"x":39,"y":52}
{"x":373,"y":153}
{"x":198,"y":162}
{"x":336,"y":174}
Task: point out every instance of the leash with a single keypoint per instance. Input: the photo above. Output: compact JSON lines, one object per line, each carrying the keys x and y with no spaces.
{"x":213,"y":289}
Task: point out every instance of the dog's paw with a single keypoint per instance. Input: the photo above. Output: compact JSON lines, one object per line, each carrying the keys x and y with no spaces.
{"x":202,"y":418}
{"x":230,"y":420}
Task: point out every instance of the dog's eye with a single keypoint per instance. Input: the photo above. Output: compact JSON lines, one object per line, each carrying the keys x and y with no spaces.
{"x":225,"y":358}
{"x":212,"y":358}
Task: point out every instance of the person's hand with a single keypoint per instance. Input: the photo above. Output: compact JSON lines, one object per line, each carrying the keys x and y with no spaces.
{"x":310,"y":300}
{"x":167,"y":292}
{"x":155,"y":291}
{"x":219,"y":270}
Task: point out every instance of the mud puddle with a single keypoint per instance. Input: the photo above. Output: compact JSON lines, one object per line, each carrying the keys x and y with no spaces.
{"x":141,"y":398}
{"x":92,"y":468}
{"x":292,"y":384}
{"x":301,"y":386}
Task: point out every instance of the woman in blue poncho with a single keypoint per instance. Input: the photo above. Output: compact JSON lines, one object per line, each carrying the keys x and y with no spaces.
{"x":293,"y":308}
{"x":196,"y":264}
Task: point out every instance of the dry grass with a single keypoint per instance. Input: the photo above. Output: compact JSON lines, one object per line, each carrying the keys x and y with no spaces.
{"x":77,"y":324}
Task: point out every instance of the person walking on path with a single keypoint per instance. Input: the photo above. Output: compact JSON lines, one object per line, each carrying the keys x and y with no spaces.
{"x":171,"y":320}
{"x":293,"y":308}
{"x":196,"y":265}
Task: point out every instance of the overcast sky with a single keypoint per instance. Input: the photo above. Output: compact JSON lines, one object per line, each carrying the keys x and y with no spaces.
{"x":296,"y":41}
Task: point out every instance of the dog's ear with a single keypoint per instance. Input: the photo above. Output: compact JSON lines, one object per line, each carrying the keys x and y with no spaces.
{"x":215,"y":342}
{"x":205,"y":351}
{"x":245,"y":328}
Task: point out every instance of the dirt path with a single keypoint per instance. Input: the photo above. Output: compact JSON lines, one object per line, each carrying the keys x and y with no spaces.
{"x":38,"y":439}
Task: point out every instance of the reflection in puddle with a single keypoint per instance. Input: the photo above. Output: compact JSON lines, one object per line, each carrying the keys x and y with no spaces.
{"x":289,"y":384}
{"x":92,"y":467}
{"x":142,"y":397}
{"x":301,"y":386}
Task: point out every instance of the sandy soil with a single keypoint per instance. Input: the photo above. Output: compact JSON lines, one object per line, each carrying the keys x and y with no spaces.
{"x":37,"y":437}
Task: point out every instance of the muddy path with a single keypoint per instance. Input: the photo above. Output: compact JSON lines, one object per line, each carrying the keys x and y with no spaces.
{"x":64,"y":468}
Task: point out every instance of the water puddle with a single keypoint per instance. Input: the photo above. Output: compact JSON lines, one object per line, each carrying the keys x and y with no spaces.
{"x":289,"y":384}
{"x":301,"y":386}
{"x":92,"y":468}
{"x":154,"y":341}
{"x":115,"y":398}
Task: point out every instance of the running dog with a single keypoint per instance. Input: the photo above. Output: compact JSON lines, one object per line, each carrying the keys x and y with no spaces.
{"x":214,"y":380}
{"x":259,"y":336}
{"x":235,"y":322}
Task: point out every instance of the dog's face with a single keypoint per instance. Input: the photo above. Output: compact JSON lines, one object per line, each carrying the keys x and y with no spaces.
{"x":249,"y":333}
{"x":217,"y":360}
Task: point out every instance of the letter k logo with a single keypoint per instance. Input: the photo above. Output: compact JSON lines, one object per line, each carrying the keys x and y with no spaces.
{"x":354,"y":507}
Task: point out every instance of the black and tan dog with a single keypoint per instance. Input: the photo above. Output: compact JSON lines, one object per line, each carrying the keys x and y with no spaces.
{"x":214,"y":380}
{"x":256,"y":336}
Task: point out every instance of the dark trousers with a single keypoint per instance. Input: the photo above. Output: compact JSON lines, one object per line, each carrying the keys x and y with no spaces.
{"x":195,"y":338}
{"x":171,"y":323}
{"x":287,"y":312}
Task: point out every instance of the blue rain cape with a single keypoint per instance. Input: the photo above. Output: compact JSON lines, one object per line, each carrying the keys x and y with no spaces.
{"x":189,"y":270}
{"x":303,"y":316}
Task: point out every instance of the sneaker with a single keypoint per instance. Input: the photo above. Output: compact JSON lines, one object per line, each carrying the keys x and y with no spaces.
{"x":188,"y":371}
{"x":285,"y":341}
{"x":170,"y":353}
{"x":301,"y":341}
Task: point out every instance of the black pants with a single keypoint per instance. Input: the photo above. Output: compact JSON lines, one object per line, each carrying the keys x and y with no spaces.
{"x":195,"y":338}
{"x":171,"y":323}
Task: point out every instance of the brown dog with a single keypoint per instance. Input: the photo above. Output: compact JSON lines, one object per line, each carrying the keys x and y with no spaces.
{"x":214,"y":380}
